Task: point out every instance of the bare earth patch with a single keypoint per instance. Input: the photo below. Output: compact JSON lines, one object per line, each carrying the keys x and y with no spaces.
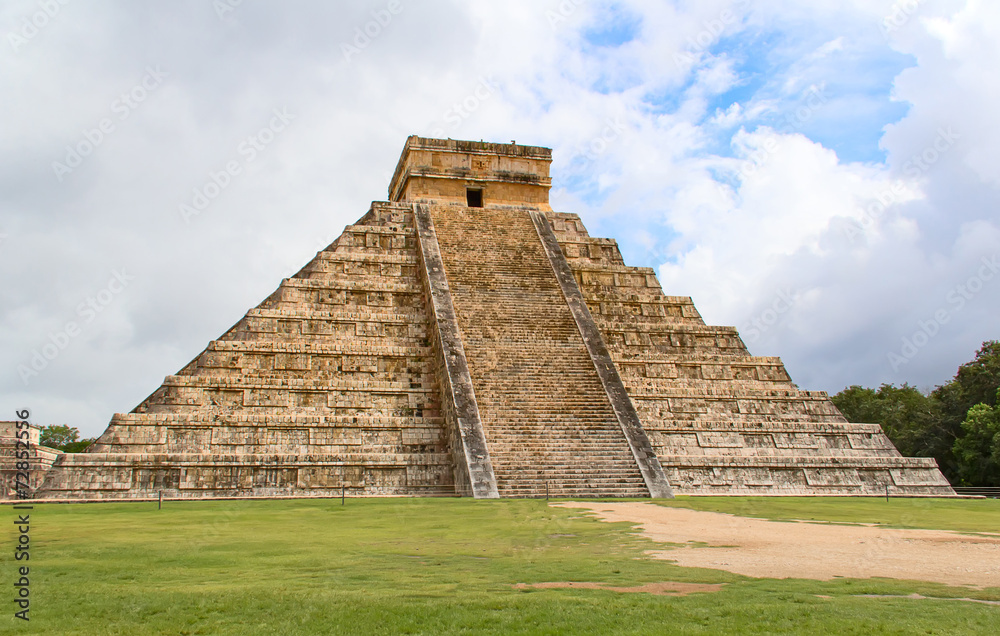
{"x":807,"y":550}
{"x":662,"y":589}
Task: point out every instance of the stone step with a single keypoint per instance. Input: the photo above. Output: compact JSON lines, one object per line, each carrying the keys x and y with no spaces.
{"x":543,"y":406}
{"x":339,"y":382}
{"x":346,"y":257}
{"x":289,"y":418}
{"x":747,"y":426}
{"x":349,"y":347}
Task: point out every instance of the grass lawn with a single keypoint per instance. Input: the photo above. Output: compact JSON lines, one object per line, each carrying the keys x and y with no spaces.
{"x":444,"y":566}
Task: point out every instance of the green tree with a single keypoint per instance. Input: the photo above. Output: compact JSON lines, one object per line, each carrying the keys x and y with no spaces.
{"x":65,"y":438}
{"x":77,"y":446}
{"x":909,"y":418}
{"x":978,"y":451}
{"x":975,"y":383}
{"x":859,"y":404}
{"x":58,"y":436}
{"x":935,"y":425}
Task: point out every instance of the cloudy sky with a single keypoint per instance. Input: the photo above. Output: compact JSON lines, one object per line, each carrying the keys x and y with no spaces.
{"x":824,"y":175}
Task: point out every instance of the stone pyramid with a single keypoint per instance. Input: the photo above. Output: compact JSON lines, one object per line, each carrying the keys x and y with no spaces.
{"x":464,"y":339}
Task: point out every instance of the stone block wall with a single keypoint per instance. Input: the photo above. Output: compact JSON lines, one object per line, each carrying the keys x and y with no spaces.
{"x":40,"y":459}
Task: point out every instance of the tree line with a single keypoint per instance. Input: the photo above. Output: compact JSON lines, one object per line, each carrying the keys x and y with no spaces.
{"x":958,"y":423}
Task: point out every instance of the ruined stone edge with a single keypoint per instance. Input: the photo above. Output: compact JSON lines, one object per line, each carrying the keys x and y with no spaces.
{"x":456,"y":386}
{"x":628,"y":418}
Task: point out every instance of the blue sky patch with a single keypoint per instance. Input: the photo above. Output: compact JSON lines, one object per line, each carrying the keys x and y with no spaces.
{"x":835,"y":92}
{"x":614,"y":27}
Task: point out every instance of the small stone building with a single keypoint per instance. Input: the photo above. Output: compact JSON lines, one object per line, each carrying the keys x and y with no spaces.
{"x":462,"y":338}
{"x":40,"y":458}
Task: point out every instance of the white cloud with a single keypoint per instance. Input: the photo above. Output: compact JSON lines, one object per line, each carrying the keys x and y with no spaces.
{"x":867,"y":294}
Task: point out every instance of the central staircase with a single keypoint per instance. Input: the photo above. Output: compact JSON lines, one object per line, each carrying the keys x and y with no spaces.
{"x":547,"y":420}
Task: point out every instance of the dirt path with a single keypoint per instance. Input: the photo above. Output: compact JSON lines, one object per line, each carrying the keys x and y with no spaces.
{"x":772,"y":549}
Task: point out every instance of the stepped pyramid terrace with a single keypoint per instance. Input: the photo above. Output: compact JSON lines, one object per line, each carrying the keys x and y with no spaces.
{"x":462,"y":338}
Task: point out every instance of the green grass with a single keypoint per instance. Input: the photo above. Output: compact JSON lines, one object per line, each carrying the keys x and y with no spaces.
{"x":438,"y":566}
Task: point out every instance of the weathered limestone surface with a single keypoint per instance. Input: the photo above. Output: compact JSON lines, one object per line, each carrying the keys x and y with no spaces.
{"x":545,"y":412}
{"x":466,"y":339}
{"x":39,"y":459}
{"x":442,"y":171}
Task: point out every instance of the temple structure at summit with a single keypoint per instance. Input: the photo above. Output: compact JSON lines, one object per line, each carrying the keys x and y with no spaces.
{"x":462,"y":338}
